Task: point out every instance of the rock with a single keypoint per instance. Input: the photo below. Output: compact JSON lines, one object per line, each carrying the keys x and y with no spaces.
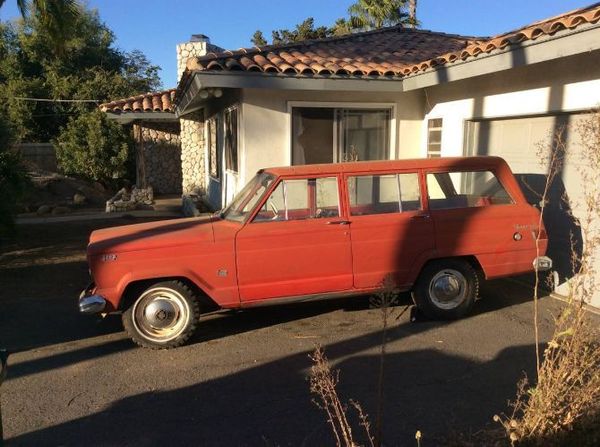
{"x":99,"y":186}
{"x":43,"y":209}
{"x":60,"y":210}
{"x":79,"y":199}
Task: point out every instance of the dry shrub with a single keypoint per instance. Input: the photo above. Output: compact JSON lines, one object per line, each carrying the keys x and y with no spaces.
{"x":566,"y":399}
{"x":323,"y":383}
{"x":563,"y":407}
{"x":323,"y":380}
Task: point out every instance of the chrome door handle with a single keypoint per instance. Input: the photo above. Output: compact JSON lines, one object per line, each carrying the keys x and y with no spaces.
{"x":338,"y":222}
{"x":421,"y":216}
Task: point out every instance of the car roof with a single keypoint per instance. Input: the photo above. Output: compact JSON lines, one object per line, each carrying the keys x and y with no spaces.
{"x":453,"y":163}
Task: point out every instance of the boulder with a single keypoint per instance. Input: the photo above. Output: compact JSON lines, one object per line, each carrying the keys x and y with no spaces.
{"x":58,"y":210}
{"x":79,"y":199}
{"x":43,"y":209}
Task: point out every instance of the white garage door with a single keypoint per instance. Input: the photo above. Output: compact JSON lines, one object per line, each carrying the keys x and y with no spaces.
{"x":524,"y":143}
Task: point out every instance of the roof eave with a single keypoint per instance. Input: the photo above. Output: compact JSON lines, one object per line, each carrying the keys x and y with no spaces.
{"x":131,"y":117}
{"x":200,"y":80}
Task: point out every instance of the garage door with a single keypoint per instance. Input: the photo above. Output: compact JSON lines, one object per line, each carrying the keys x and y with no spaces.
{"x":522,"y":142}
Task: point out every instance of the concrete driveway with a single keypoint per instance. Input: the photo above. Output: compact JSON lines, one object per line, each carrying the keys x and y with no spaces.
{"x":243,"y":379}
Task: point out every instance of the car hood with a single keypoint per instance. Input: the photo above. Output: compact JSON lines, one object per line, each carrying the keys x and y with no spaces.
{"x":151,"y":235}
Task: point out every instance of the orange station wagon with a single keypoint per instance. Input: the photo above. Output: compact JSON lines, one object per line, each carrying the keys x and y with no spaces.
{"x":435,"y":226}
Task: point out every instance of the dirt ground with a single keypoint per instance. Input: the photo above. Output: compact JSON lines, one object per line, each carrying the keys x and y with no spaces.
{"x":74,"y":380}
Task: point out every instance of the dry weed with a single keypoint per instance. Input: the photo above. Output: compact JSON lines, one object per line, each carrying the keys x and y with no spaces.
{"x":563,"y":407}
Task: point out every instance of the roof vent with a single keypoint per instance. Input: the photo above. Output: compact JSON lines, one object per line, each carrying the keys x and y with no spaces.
{"x":199,"y":38}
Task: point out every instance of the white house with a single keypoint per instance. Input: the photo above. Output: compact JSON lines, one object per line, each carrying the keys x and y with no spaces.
{"x":389,"y":93}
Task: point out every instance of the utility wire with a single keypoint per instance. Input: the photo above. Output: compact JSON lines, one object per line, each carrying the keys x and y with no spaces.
{"x":55,"y":100}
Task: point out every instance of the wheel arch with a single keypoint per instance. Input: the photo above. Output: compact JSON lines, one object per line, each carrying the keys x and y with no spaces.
{"x":471,"y":259}
{"x":134,"y":288}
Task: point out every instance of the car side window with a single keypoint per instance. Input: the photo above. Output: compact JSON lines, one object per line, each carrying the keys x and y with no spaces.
{"x":465,"y":189}
{"x":299,"y":199}
{"x":383,"y":194}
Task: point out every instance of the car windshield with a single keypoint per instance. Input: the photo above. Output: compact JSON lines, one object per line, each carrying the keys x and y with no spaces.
{"x":244,"y":202}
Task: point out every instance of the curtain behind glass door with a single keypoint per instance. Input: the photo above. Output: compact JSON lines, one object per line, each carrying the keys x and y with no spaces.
{"x":363,"y":134}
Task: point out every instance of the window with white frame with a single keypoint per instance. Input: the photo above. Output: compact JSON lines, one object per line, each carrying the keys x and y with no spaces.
{"x":230,"y":140}
{"x":434,"y":138}
{"x":222,"y":141}
{"x":328,"y":134}
{"x":212,"y":131}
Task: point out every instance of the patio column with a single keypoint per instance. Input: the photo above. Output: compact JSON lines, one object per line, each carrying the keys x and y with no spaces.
{"x":193,"y":154}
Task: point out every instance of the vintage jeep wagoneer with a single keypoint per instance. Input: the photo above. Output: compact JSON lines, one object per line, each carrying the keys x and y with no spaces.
{"x":436,"y":226}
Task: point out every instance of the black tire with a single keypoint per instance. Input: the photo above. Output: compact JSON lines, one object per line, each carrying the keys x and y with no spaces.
{"x":163,"y":316}
{"x":446,"y":289}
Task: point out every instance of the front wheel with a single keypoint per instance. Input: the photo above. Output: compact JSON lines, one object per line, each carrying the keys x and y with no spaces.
{"x":446,"y":289}
{"x":164,"y":316}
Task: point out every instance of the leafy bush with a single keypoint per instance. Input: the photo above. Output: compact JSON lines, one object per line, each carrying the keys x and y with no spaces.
{"x":13,"y":180}
{"x":95,"y":148}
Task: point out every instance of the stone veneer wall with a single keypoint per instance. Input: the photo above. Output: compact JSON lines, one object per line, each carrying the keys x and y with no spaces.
{"x":193,"y":154}
{"x":162,"y":156}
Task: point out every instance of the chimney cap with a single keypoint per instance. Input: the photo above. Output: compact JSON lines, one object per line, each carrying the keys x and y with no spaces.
{"x":199,"y":38}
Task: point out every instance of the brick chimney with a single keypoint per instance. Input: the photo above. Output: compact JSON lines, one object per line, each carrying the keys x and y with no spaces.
{"x":198,"y":45}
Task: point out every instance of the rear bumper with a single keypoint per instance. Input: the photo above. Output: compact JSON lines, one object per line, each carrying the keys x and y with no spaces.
{"x":91,"y":303}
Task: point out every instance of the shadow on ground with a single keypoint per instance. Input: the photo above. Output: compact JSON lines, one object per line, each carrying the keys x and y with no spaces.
{"x":427,"y":389}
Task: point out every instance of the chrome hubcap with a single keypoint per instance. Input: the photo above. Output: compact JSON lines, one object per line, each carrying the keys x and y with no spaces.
{"x":161,"y":314}
{"x":448,"y":289}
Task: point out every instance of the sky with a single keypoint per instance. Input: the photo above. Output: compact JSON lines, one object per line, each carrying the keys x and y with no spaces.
{"x":157,"y":26}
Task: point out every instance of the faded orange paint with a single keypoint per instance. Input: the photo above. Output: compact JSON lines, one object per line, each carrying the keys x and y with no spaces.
{"x":247,"y":263}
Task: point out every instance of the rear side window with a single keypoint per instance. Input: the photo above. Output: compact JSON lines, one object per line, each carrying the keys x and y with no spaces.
{"x":383,"y":194}
{"x":466,"y":189}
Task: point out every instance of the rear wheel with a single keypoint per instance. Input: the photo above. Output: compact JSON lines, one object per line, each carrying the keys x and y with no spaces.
{"x":164,"y":316}
{"x":446,"y":289}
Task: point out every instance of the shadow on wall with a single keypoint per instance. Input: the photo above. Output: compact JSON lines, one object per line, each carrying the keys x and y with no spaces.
{"x":564,"y":232}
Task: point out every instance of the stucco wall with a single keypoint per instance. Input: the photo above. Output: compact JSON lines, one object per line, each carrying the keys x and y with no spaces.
{"x":266,"y":123}
{"x":567,"y":85}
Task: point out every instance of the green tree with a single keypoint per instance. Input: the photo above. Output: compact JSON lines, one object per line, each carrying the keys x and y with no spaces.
{"x":54,"y":16}
{"x":303,"y":31}
{"x":373,"y":14}
{"x":13,"y":178}
{"x":258,"y":39}
{"x":89,"y":68}
{"x":363,"y":15}
{"x":94,"y":147}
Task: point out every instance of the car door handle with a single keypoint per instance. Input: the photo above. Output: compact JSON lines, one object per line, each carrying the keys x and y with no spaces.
{"x":338,"y":222}
{"x":421,"y":216}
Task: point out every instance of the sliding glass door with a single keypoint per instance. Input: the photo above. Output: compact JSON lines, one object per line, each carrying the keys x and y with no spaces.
{"x":329,"y":135}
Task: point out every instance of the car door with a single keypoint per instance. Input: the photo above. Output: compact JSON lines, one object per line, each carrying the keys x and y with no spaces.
{"x":297,"y":244}
{"x":390,"y":229}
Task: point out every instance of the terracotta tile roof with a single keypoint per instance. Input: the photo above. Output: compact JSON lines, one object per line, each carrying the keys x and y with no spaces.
{"x":149,"y":102}
{"x":546,"y":27}
{"x":392,"y":52}
{"x":383,"y":52}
